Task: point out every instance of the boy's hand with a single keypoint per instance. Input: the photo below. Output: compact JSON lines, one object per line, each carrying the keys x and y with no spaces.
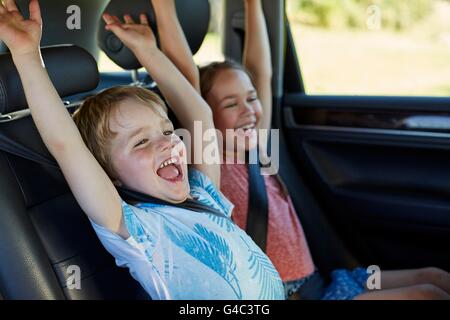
{"x":21,"y":36}
{"x":139,"y":37}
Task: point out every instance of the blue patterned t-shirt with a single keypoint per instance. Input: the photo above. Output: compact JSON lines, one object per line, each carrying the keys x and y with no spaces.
{"x":177,"y":253}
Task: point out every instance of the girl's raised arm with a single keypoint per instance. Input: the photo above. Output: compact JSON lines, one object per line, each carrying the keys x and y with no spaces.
{"x":257,"y":57}
{"x":173,"y":41}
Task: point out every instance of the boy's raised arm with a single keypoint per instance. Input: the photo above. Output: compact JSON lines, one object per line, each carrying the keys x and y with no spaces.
{"x":89,"y":183}
{"x":173,"y":41}
{"x":184,"y":100}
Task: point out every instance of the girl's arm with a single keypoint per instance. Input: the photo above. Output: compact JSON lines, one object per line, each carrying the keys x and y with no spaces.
{"x":189,"y":107}
{"x":173,"y":41}
{"x":257,"y":57}
{"x":90,"y":185}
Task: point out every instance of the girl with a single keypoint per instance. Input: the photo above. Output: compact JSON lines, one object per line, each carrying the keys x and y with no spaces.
{"x":241,"y":100}
{"x":127,"y":138}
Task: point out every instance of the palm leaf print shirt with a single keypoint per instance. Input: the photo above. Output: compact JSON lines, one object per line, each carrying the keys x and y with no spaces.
{"x":177,"y":253}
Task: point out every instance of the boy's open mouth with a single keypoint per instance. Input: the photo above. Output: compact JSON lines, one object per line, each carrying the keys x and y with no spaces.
{"x":170,"y":170}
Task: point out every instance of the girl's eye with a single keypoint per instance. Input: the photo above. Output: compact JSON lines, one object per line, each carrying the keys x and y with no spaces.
{"x":168,"y":132}
{"x":140,"y":143}
{"x":252,"y":99}
{"x":231,"y":106}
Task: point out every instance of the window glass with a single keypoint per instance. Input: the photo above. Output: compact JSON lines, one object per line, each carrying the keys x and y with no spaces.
{"x":378,"y":47}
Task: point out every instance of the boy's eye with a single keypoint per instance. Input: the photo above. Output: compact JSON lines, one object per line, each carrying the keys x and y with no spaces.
{"x":168,"y":132}
{"x":231,"y":105}
{"x":252,"y":99}
{"x":143,"y":141}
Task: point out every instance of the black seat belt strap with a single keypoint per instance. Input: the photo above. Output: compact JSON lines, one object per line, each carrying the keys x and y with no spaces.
{"x":14,"y":148}
{"x":258,"y":206}
{"x":190,"y":204}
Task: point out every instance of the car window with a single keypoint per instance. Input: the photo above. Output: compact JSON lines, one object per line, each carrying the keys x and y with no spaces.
{"x":372,"y":47}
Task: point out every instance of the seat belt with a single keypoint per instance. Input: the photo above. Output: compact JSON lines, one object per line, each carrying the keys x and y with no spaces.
{"x":189,"y":204}
{"x":258,"y":206}
{"x":9,"y":146}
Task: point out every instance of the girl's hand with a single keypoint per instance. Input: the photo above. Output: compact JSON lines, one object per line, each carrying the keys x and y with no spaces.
{"x":139,"y":37}
{"x":21,"y":36}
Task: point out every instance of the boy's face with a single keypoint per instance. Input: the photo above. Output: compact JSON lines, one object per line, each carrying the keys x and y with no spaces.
{"x":235,"y":106}
{"x":145,"y":153}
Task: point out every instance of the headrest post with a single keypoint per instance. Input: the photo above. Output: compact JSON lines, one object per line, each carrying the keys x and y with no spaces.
{"x":5,"y":118}
{"x":136,"y":82}
{"x":135,"y":76}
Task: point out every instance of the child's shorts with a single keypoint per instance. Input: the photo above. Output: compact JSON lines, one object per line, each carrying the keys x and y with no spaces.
{"x":346,"y":284}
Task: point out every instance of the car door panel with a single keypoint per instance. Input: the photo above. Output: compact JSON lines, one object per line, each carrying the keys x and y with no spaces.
{"x":385,"y":186}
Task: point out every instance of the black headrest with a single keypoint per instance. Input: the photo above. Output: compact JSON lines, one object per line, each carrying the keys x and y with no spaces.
{"x":67,"y":21}
{"x":72,"y":70}
{"x":193,"y":15}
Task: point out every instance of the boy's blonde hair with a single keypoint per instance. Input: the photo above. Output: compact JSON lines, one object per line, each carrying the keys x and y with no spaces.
{"x":93,"y":119}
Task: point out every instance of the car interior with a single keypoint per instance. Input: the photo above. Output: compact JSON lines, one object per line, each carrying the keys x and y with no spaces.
{"x":370,"y":186}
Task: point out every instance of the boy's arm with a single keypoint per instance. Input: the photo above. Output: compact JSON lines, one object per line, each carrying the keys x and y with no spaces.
{"x":173,"y":41}
{"x":257,"y":57}
{"x":90,"y":185}
{"x":187,"y":104}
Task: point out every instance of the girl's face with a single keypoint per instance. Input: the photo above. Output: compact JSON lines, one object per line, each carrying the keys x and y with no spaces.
{"x":145,"y":153}
{"x":235,"y":105}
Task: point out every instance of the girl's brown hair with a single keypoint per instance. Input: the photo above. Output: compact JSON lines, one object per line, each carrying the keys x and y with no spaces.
{"x":210,"y":71}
